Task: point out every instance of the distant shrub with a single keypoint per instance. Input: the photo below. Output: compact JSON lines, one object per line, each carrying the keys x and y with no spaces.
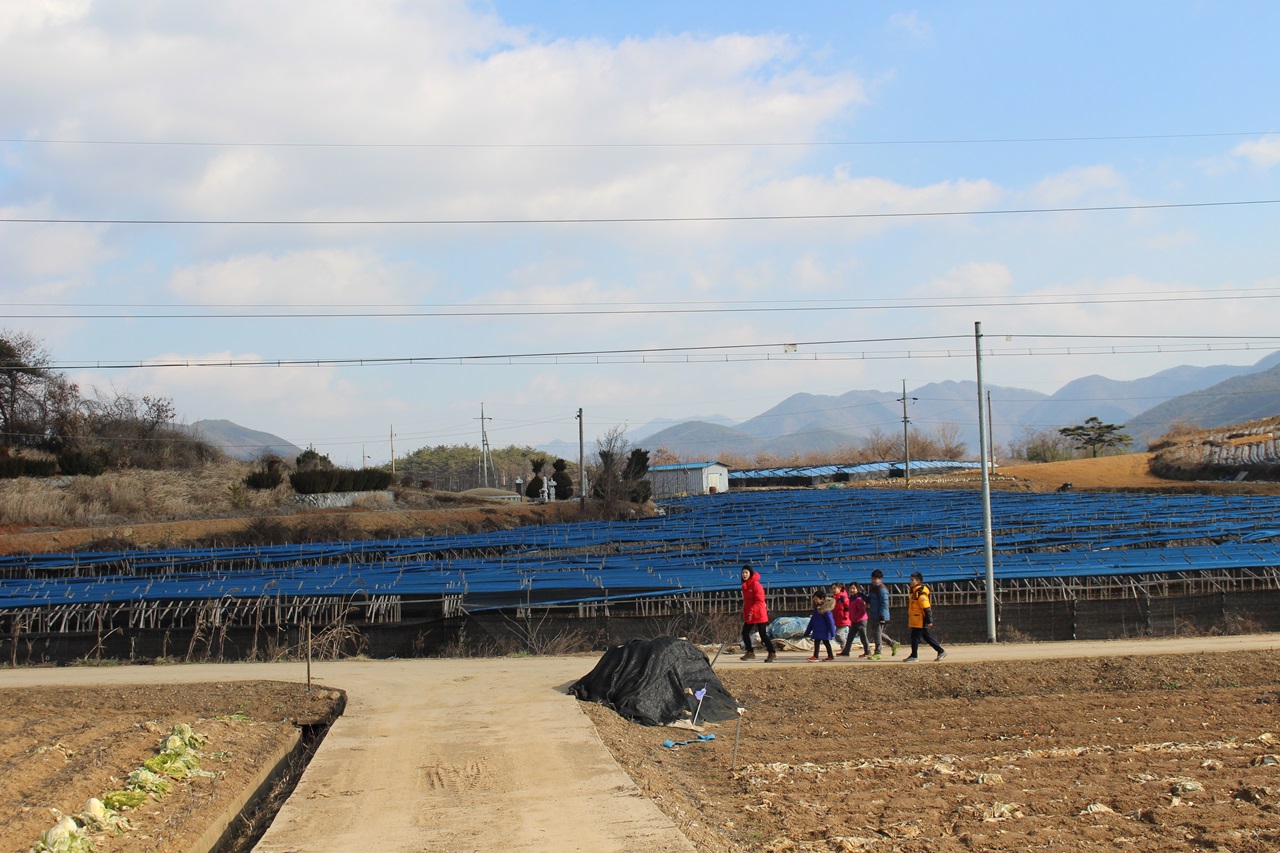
{"x":264,"y":479}
{"x":75,"y":463}
{"x":22,"y":466}
{"x":318,"y":481}
{"x":267,"y":476}
{"x":312,"y":459}
{"x":563,"y":482}
{"x":533,"y":489}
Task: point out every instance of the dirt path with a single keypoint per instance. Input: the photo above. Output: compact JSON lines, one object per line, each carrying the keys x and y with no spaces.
{"x":489,"y":754}
{"x":1129,"y":471}
{"x":459,"y":755}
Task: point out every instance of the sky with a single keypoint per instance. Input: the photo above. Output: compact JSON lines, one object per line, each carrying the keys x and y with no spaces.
{"x":343,"y":221}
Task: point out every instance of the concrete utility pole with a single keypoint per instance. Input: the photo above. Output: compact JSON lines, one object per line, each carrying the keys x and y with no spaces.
{"x":906,"y":446}
{"x":991,"y":441}
{"x":987,"y":547}
{"x":582,"y":468}
{"x":393,"y":453}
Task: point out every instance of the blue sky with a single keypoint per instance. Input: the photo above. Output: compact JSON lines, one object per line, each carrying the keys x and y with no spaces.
{"x":196,"y":184}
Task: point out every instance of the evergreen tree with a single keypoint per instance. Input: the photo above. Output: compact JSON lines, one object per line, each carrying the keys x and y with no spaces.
{"x":1094,"y":435}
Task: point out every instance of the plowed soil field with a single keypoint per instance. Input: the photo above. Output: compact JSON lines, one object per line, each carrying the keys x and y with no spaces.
{"x":61,"y":746}
{"x":1134,"y":753}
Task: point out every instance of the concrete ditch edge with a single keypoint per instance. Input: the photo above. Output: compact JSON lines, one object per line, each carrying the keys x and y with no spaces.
{"x":223,"y":829}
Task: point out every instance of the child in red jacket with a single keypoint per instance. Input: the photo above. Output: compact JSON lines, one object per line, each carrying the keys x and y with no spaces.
{"x":840,"y":613}
{"x":755,"y":615}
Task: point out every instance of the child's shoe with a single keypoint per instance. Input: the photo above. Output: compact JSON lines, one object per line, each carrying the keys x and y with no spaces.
{"x":771,"y":657}
{"x":829,"y":657}
{"x":911,"y":659}
{"x":814,"y":658}
{"x":876,"y":656}
{"x":893,"y":649}
{"x":750,"y":655}
{"x":864,"y":656}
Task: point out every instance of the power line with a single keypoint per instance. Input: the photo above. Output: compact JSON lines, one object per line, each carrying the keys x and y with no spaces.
{"x":849,"y":143}
{"x":786,"y":351}
{"x":644,"y":309}
{"x":641,"y":220}
{"x":968,"y":300}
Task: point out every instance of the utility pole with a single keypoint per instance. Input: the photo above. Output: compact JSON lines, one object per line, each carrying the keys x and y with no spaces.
{"x":486,"y":455}
{"x":906,"y":446}
{"x":393,"y":453}
{"x":582,"y":468}
{"x":988,"y":547}
{"x":991,"y":440}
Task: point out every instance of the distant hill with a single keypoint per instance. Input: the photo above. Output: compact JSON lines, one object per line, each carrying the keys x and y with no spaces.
{"x":241,"y":442}
{"x":640,"y":433}
{"x":1243,"y":398}
{"x":807,"y":422}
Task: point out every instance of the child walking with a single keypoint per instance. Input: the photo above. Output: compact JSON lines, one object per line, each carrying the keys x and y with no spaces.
{"x":841,"y":614}
{"x":822,"y":625}
{"x":858,"y":620}
{"x":878,"y":610}
{"x":755,"y":615}
{"x":920,"y":619}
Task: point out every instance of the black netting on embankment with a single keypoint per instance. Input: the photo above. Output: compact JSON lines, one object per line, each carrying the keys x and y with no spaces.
{"x":656,"y":682}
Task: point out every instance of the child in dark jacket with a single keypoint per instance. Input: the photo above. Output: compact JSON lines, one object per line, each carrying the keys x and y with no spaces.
{"x":822,"y":625}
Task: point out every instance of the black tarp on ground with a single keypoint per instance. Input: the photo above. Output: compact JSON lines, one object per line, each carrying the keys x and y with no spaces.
{"x":652,"y":682}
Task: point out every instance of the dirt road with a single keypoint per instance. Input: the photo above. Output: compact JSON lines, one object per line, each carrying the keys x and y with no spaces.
{"x":485,"y":754}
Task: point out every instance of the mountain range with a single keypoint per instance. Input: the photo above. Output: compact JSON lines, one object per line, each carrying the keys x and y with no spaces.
{"x":802,"y":423}
{"x":240,"y":442}
{"x":1205,"y":397}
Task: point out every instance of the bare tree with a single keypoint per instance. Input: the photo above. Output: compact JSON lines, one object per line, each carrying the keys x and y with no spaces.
{"x":606,"y":476}
{"x":1043,"y":445}
{"x":881,"y":446}
{"x":949,"y":444}
{"x":38,"y":405}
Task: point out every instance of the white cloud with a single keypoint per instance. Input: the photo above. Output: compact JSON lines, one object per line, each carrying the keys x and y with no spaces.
{"x":299,"y":278}
{"x":300,"y":403}
{"x":912,"y":24}
{"x":1178,"y":239}
{"x":1261,"y":153}
{"x":39,"y":257}
{"x":259,"y":72}
{"x":24,"y":18}
{"x":1079,"y":184}
{"x":977,"y":279}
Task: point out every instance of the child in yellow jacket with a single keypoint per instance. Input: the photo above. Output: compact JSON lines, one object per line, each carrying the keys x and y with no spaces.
{"x":920,"y":618}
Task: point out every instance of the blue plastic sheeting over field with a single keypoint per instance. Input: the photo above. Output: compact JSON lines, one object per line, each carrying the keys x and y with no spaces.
{"x":860,"y":470}
{"x":799,"y":538}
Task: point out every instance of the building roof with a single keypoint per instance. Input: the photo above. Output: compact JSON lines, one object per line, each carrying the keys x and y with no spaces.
{"x":686,"y":466}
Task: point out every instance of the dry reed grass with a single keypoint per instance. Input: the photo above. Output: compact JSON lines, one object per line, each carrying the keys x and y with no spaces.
{"x":215,"y":490}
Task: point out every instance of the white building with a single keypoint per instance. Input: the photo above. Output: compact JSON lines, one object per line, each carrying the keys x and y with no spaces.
{"x":688,"y":478}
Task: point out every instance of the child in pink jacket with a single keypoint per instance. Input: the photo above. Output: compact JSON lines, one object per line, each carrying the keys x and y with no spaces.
{"x":858,"y":618}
